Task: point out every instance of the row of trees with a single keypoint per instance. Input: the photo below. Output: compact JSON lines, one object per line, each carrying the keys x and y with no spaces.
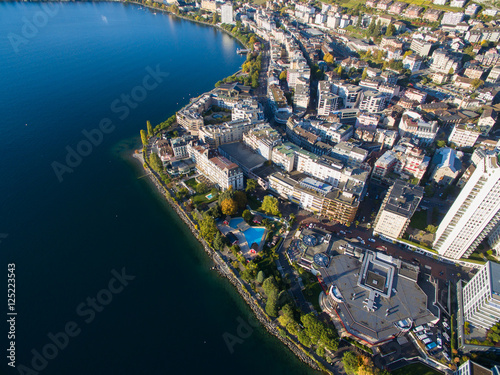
{"x":310,"y":331}
{"x":355,"y":364}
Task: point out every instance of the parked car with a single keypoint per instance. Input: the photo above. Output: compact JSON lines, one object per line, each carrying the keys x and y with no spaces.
{"x":342,"y":232}
{"x":446,"y":336}
{"x":447,"y":356}
{"x":371,"y":239}
{"x":446,"y":325}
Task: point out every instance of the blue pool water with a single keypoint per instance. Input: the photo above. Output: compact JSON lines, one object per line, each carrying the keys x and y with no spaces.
{"x":209,"y":196}
{"x":252,"y":234}
{"x":234,"y":222}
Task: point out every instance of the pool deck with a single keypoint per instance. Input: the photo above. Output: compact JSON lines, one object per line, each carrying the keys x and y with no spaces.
{"x":242,"y":241}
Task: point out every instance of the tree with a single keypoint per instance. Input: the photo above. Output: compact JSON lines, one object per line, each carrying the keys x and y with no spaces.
{"x":351,"y":362}
{"x":283,"y":75}
{"x":240,"y":198}
{"x":328,"y":58}
{"x":247,"y":215}
{"x":271,"y":290}
{"x":219,"y":242}
{"x":201,"y":188}
{"x":260,"y":277}
{"x":150,"y":129}
{"x":371,"y":27}
{"x":208,"y":228}
{"x":441,"y":144}
{"x":431,"y":228}
{"x":251,"y":185}
{"x":476,"y":83}
{"x":182,"y":193}
{"x":365,"y":73}
{"x":391,"y":30}
{"x":229,"y":206}
{"x":377,"y":30}
{"x":144,"y":137}
{"x":451,"y":71}
{"x":214,"y":211}
{"x":270,"y":205}
{"x":156,"y":162}
{"x":339,"y":70}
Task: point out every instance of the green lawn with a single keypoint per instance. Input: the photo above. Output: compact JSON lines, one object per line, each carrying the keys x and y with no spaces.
{"x":419,"y":220}
{"x":416,"y":369}
{"x":201,"y":198}
{"x":191,"y":183}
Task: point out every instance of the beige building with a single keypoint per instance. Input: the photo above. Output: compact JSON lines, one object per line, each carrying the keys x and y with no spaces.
{"x":217,"y":169}
{"x":396,"y":211}
{"x":464,"y":136}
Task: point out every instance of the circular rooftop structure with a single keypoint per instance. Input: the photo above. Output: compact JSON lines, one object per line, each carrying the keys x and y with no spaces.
{"x":321,"y":260}
{"x":310,"y":240}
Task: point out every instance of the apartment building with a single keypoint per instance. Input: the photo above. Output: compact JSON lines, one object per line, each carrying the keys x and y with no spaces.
{"x":474,"y":214}
{"x":262,"y":139}
{"x":414,"y":126}
{"x":481,"y":297}
{"x":217,"y":169}
{"x":464,"y":135}
{"x":227,"y":132}
{"x":397,"y":208}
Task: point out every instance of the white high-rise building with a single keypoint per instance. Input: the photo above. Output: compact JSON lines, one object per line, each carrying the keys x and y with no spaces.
{"x":475,"y":213}
{"x":481,"y":297}
{"x":227,"y":13}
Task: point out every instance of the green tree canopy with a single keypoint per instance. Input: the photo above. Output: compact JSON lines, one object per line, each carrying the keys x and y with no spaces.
{"x":351,"y":362}
{"x":431,"y":228}
{"x":219,"y":242}
{"x":144,"y":137}
{"x":156,"y":162}
{"x":247,"y":215}
{"x":270,"y":205}
{"x":149,"y":128}
{"x":201,"y":188}
{"x":271,"y":290}
{"x":208,"y":228}
{"x":391,"y":30}
{"x":251,"y":185}
{"x":283,"y":75}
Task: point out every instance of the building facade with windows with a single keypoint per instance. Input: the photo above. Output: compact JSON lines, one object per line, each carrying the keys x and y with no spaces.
{"x":474,"y":214}
{"x":481,"y":297}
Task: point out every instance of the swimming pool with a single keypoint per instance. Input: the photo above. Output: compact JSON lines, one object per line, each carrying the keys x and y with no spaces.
{"x":252,"y":234}
{"x":209,"y":196}
{"x":234,"y":222}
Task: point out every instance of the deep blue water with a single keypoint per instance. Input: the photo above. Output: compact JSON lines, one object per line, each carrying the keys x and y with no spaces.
{"x":63,"y":70}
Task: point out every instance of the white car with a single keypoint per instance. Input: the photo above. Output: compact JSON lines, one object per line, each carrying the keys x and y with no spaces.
{"x":371,"y":239}
{"x":342,"y":232}
{"x":446,"y":325}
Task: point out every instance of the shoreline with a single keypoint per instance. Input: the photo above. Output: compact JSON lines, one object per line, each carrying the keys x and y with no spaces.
{"x":224,"y":270}
{"x":220,"y":265}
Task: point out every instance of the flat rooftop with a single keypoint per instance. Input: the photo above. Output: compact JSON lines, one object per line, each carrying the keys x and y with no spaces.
{"x":243,"y":155}
{"x":406,"y":300}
